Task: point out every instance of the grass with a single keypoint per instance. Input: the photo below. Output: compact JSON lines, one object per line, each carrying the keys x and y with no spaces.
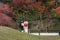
{"x":12,"y":34}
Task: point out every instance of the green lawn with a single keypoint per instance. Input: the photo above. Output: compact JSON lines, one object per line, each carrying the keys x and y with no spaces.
{"x":12,"y":34}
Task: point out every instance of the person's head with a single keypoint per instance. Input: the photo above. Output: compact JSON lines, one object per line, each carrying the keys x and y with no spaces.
{"x":22,"y":21}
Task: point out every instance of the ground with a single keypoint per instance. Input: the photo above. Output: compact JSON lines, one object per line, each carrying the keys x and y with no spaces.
{"x":12,"y":34}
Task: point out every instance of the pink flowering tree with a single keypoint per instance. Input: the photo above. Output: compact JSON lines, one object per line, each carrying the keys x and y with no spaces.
{"x":6,"y":15}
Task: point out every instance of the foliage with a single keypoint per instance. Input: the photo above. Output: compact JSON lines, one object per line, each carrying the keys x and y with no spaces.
{"x":6,"y":13}
{"x":40,"y":6}
{"x":37,"y":6}
{"x":31,"y":10}
{"x":34,"y":11}
{"x":29,"y":14}
{"x":58,"y":10}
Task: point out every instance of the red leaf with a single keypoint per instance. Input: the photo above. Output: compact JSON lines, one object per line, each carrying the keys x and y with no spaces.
{"x":58,"y":10}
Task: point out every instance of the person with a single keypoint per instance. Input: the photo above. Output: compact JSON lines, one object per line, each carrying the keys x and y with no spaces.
{"x":26,"y":26}
{"x":21,"y":26}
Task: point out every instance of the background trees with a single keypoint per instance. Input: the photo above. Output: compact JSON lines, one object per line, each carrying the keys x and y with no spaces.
{"x":6,"y":14}
{"x":31,"y":10}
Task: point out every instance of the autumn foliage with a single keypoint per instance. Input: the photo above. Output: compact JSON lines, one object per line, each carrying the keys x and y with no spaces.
{"x":6,"y":14}
{"x":37,"y":6}
{"x":17,"y":3}
{"x":42,"y":8}
{"x":58,"y":10}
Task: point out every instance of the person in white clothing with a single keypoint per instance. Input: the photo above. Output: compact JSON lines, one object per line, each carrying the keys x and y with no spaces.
{"x":26,"y":26}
